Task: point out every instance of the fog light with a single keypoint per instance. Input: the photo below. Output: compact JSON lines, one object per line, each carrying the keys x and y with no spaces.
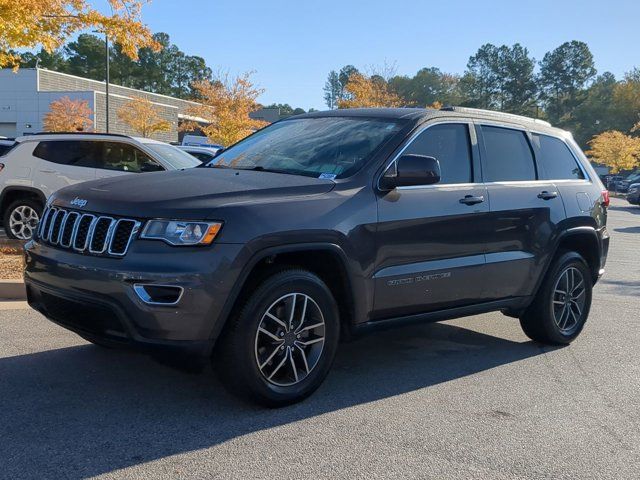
{"x":158,"y":294}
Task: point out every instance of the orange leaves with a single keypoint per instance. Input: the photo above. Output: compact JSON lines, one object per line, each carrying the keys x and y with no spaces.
{"x":28,"y":23}
{"x":66,"y":115}
{"x":226,"y":104}
{"x":143,"y":117}
{"x":368,"y":91}
{"x":615,"y":150}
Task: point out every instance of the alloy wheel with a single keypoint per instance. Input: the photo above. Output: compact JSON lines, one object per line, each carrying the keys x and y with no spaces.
{"x":23,"y":222}
{"x":569,"y":300}
{"x":290,"y":339}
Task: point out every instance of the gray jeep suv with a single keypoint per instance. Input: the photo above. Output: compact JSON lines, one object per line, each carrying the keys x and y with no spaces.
{"x":322,"y":226}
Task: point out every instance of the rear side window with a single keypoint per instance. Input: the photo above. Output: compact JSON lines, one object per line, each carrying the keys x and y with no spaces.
{"x":508,"y":155}
{"x":4,"y":149}
{"x":68,"y":152}
{"x":450,"y":145}
{"x":556,"y":159}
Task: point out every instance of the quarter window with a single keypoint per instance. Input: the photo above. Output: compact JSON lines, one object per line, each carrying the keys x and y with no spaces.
{"x":449,"y":144}
{"x":556,"y":159}
{"x":508,"y":155}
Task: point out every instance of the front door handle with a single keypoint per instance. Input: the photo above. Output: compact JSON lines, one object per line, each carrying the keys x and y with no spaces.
{"x":47,"y":171}
{"x":471,"y":200}
{"x":547,"y":195}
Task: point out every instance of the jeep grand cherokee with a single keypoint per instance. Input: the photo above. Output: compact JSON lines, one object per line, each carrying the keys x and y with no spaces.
{"x":324,"y":225}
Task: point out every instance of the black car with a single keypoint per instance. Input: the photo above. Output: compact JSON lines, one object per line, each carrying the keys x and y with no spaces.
{"x":322,"y":226}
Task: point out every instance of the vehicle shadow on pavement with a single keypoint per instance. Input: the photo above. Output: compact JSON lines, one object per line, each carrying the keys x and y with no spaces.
{"x":85,"y":411}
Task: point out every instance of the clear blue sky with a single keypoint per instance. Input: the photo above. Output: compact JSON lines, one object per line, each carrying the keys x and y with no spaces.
{"x":292,"y":45}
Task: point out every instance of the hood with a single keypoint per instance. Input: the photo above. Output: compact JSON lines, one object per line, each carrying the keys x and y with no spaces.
{"x":186,"y":194}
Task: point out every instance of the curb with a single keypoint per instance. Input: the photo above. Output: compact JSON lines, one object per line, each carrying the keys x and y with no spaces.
{"x":12,"y":290}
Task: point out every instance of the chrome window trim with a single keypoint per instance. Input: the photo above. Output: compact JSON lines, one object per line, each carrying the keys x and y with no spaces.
{"x":416,"y":134}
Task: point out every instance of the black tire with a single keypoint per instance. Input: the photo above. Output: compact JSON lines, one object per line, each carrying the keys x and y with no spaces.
{"x":551,"y":310}
{"x":241,"y":348}
{"x":30,"y":203}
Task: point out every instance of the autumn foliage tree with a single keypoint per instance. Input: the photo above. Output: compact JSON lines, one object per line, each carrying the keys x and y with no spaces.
{"x":363,"y":91}
{"x":141,"y":115}
{"x":615,"y":150}
{"x":225,"y":104}
{"x":25,"y":24}
{"x":66,"y":115}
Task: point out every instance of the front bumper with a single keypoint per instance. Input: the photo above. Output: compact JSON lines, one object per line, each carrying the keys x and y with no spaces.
{"x":94,"y":296}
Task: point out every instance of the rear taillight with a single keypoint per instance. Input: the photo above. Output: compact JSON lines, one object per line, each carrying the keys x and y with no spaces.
{"x":1,"y":166}
{"x":605,"y":198}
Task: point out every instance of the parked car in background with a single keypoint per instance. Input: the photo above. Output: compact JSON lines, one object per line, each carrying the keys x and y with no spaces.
{"x":623,"y":184}
{"x":6,"y":144}
{"x":633,"y":194}
{"x":199,"y":141}
{"x":325,"y":225}
{"x":38,"y":165}
{"x":204,"y":154}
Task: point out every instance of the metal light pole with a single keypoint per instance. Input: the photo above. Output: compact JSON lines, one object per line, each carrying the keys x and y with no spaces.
{"x":106,"y":42}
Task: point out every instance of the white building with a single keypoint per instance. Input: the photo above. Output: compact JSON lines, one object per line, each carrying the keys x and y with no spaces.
{"x":25,"y":97}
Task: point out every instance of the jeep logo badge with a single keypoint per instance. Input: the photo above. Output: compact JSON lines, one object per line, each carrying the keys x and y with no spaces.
{"x":78,"y":202}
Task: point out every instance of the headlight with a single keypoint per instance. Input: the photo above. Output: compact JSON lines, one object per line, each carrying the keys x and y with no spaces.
{"x":178,"y":232}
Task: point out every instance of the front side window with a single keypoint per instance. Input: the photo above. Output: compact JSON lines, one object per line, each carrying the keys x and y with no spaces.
{"x":556,"y":159}
{"x":125,"y":158}
{"x":332,"y":147}
{"x":508,"y":155}
{"x":173,"y":156}
{"x":450,"y":145}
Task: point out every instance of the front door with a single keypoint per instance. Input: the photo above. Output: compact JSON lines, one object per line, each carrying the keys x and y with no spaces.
{"x":430,"y":239}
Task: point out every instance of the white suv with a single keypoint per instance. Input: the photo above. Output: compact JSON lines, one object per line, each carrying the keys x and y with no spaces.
{"x":38,"y":165}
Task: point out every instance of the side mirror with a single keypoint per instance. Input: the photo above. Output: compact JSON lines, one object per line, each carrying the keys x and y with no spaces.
{"x":410,"y":170}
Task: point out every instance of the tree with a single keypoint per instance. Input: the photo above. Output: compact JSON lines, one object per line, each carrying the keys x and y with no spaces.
{"x":626,"y":101}
{"x":597,"y":112}
{"x":615,"y":150}
{"x":85,"y":57}
{"x":500,"y":78}
{"x":285,"y":109}
{"x":25,"y":24}
{"x":332,"y":90}
{"x":428,"y":86}
{"x":141,"y":115}
{"x":66,"y":115}
{"x":364,"y":91}
{"x":226,"y":104}
{"x":564,"y":72}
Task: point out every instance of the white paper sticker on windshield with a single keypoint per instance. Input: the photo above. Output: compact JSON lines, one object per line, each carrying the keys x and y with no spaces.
{"x":328,"y":176}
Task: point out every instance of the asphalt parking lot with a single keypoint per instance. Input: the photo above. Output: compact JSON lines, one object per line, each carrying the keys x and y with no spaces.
{"x":470,"y":398}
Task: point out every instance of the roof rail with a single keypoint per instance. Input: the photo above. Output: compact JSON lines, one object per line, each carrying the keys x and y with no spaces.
{"x":493,"y":113}
{"x":78,"y":133}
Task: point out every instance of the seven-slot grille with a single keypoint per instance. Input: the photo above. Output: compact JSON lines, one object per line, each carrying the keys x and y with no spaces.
{"x":87,"y":233}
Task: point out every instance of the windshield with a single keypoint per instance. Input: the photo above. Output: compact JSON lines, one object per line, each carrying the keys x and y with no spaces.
{"x":328,"y":147}
{"x":173,"y":156}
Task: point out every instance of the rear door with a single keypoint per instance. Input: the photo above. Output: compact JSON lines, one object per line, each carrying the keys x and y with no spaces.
{"x":430,"y":239}
{"x":525,"y":211}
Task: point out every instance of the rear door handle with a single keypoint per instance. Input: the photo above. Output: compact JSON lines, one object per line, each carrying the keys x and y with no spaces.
{"x":471,"y":200}
{"x":547,"y":195}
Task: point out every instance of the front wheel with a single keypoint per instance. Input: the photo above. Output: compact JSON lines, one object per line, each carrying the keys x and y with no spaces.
{"x":21,"y":219}
{"x":560,"y":309}
{"x":280,"y":347}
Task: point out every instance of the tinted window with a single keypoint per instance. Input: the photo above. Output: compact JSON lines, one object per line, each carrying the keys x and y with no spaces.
{"x":68,"y":152}
{"x":175,"y":157}
{"x":124,"y":157}
{"x":4,"y":149}
{"x":323,"y":146}
{"x":449,"y":144}
{"x":556,"y":159}
{"x":509,"y":156}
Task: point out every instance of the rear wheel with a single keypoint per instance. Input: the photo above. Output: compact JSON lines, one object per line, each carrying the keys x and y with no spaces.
{"x":281,"y":346}
{"x":21,"y":218}
{"x":560,"y":309}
